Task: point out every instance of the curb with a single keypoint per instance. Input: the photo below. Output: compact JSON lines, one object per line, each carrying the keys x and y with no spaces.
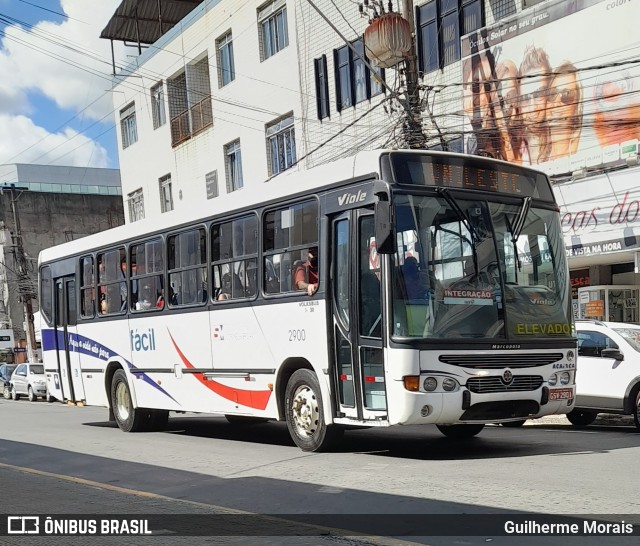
{"x":603,"y":419}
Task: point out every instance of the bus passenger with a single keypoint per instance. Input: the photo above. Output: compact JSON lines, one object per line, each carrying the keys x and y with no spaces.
{"x":146,"y":297}
{"x":415,"y":286}
{"x":104,"y":306}
{"x":306,"y":275}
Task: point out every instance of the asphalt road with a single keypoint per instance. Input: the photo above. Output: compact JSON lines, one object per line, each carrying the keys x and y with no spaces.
{"x":57,"y":459}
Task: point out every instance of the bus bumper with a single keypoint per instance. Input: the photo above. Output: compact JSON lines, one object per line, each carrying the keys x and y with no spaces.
{"x":464,"y":406}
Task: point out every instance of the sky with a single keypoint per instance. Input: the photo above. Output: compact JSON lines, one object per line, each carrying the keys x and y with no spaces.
{"x":55,"y":83}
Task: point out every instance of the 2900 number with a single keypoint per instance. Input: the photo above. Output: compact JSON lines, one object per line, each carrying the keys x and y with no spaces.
{"x":297,"y":335}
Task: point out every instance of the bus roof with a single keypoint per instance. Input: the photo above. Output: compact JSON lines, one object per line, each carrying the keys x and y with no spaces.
{"x":290,"y":182}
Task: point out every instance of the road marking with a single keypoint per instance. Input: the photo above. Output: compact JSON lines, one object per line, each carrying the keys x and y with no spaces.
{"x":322,"y":530}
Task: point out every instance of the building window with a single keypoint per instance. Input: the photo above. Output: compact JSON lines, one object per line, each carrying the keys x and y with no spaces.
{"x":344,"y":93}
{"x":281,"y":144}
{"x":233,"y":166}
{"x":157,"y":105}
{"x":166,"y":194}
{"x":454,"y":18}
{"x":354,"y":81}
{"x":360,"y":73}
{"x":136,"y":205}
{"x":272,"y":21}
{"x":322,"y":87}
{"x":226,"y":67}
{"x":189,"y":95}
{"x":128,"y":126}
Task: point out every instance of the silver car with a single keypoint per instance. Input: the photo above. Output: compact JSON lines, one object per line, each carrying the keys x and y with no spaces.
{"x":29,"y":380}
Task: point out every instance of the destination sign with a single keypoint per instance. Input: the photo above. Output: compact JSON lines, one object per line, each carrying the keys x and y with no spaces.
{"x":469,"y":173}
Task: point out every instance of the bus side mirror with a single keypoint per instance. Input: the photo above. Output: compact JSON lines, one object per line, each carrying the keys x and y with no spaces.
{"x":383,"y":222}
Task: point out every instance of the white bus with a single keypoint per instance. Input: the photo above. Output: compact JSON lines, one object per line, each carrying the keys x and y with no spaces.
{"x":442,"y":298}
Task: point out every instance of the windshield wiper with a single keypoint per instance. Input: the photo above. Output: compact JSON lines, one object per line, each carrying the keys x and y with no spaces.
{"x":521,"y":218}
{"x":461,"y":214}
{"x":516,"y":228}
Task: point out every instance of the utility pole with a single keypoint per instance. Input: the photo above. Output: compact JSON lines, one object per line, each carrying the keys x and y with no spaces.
{"x":413,"y":128}
{"x":25,"y":286}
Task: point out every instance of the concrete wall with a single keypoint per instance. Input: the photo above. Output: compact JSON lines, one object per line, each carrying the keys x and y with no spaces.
{"x":48,"y":219}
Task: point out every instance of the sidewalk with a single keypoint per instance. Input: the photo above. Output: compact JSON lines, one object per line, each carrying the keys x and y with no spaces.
{"x":603,"y":419}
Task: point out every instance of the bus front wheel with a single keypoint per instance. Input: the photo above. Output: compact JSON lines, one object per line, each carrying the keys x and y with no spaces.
{"x":132,"y":419}
{"x":460,"y":431}
{"x":305,"y":414}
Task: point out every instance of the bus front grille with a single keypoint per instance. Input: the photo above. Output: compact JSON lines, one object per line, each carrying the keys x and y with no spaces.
{"x":490,"y":384}
{"x":506,"y":409}
{"x":528,"y":360}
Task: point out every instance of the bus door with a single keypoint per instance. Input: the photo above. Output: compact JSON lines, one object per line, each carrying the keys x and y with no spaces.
{"x":359,"y":378}
{"x":67,"y":342}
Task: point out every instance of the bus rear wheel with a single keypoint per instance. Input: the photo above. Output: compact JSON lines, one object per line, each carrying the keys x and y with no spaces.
{"x":132,"y":419}
{"x":305,"y":414}
{"x":460,"y":431}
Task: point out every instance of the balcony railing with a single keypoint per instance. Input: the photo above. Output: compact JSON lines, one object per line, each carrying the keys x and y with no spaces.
{"x":192,"y":121}
{"x":201,"y":115}
{"x":180,"y":128}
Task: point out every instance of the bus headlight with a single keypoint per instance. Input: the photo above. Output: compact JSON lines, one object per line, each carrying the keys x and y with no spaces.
{"x":449,"y":384}
{"x":553,"y":379}
{"x":564,"y":378}
{"x":430,"y":384}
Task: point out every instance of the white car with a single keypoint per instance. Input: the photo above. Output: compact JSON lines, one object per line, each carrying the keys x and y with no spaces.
{"x":29,"y":380}
{"x":608,"y":371}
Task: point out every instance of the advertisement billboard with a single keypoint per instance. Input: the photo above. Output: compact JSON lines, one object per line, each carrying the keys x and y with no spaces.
{"x":557,"y":86}
{"x":600,"y":214}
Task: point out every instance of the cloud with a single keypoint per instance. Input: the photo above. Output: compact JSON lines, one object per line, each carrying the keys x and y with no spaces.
{"x":22,"y":141}
{"x":66,"y":62}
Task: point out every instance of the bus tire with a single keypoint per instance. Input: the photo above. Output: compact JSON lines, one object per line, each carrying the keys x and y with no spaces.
{"x":581,"y":418}
{"x":128,"y":418}
{"x":460,"y":431}
{"x":305,"y":414}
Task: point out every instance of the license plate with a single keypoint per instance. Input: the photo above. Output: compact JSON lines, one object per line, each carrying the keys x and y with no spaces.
{"x":560,"y":394}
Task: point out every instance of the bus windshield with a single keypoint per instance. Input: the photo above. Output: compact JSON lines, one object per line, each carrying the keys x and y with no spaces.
{"x":478,"y":269}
